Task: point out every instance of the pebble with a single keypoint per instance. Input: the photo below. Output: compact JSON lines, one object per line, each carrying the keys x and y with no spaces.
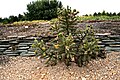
{"x":87,"y":75}
{"x":39,"y":57}
{"x":77,"y":78}
{"x":0,"y":67}
{"x":38,"y":67}
{"x":42,"y":76}
{"x":83,"y":78}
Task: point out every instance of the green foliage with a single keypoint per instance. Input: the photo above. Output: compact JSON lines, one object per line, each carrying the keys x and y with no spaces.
{"x":21,"y":17}
{"x":40,"y":47}
{"x":67,"y":20}
{"x":5,"y":21}
{"x":13,"y":19}
{"x":86,"y":46}
{"x":105,"y":14}
{"x":43,"y":9}
{"x":95,"y":14}
{"x":59,"y":49}
{"x":0,"y":20}
{"x":71,"y":44}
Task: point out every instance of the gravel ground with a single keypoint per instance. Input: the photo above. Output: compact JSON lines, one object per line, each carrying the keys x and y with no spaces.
{"x":22,"y":31}
{"x":43,"y":29}
{"x":33,"y":68}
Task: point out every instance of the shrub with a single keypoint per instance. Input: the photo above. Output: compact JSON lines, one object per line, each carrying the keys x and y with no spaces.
{"x":42,"y":9}
{"x":71,"y":44}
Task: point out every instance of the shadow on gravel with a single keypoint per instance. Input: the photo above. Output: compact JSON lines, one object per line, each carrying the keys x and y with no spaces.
{"x":4,"y":59}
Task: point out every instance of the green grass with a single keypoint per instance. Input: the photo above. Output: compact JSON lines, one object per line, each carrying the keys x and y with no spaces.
{"x":90,"y":18}
{"x":24,"y":23}
{"x":80,"y":18}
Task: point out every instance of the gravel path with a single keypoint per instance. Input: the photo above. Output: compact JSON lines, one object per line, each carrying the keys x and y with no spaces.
{"x":33,"y":68}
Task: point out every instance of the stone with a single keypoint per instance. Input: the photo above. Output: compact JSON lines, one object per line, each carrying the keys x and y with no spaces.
{"x":4,"y":41}
{"x":13,"y":42}
{"x":12,"y":36}
{"x":10,"y":52}
{"x":20,"y":51}
{"x":108,"y":40}
{"x":31,"y":52}
{"x":1,"y":53}
{"x":112,"y":48}
{"x":2,"y":49}
{"x":10,"y":40}
{"x":100,"y":43}
{"x":117,"y":40}
{"x":23,"y":48}
{"x":33,"y":38}
{"x":22,"y":45}
{"x":21,"y":37}
{"x":26,"y":27}
{"x":20,"y":40}
{"x":102,"y":46}
{"x":114,"y":36}
{"x":26,"y":43}
{"x":23,"y":53}
{"x":32,"y":49}
{"x":27,"y":54}
{"x":113,"y":43}
{"x":4,"y":46}
{"x":102,"y":34}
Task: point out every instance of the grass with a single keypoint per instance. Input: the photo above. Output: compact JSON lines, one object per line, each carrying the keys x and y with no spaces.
{"x":24,"y":23}
{"x":101,"y":18}
{"x":80,"y":18}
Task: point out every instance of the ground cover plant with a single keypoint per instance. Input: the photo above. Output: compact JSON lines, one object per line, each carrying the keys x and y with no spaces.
{"x":71,"y":44}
